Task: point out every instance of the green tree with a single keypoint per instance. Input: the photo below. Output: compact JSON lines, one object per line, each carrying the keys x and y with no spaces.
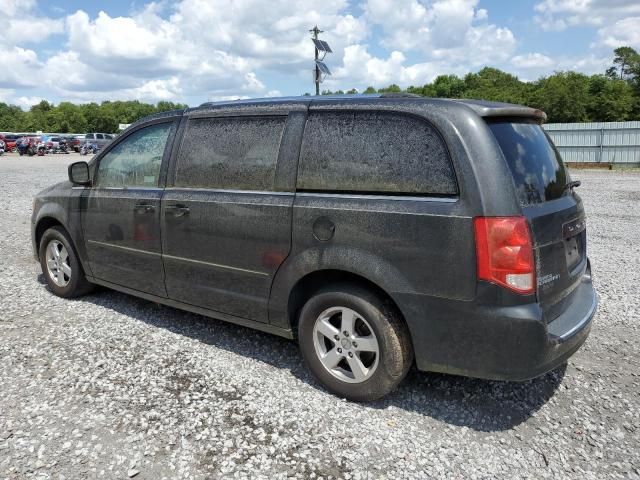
{"x":67,"y":118}
{"x":626,"y":63}
{"x":494,"y":84}
{"x":564,"y":96}
{"x":370,"y":90}
{"x":164,"y":106}
{"x":393,"y":88}
{"x":610,"y":100}
{"x":447,"y":86}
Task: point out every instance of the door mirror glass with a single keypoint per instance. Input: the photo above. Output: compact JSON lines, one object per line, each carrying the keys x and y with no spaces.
{"x":79,"y":173}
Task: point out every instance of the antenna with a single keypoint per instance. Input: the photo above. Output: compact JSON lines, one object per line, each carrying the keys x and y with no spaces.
{"x":321,"y":70}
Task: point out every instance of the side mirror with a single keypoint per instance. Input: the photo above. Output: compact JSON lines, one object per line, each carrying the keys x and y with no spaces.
{"x":79,"y":173}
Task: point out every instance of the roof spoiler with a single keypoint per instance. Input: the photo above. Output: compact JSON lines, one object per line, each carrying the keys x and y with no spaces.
{"x":496,"y":109}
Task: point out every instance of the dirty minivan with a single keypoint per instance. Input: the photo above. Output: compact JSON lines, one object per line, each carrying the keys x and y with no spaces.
{"x":379,"y":231}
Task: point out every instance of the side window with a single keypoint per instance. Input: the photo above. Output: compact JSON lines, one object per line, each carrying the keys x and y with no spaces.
{"x":374,"y":152}
{"x":136,"y":161}
{"x":99,"y":136}
{"x":108,"y":137}
{"x":236,"y":153}
{"x":89,"y":136}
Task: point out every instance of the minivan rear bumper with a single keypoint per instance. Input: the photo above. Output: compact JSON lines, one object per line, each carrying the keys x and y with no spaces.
{"x":498,"y":342}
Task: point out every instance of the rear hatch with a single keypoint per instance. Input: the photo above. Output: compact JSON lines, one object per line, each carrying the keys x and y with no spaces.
{"x":554,"y":210}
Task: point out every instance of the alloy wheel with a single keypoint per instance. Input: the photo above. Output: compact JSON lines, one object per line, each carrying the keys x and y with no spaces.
{"x":346,"y":344}
{"x":58,"y":263}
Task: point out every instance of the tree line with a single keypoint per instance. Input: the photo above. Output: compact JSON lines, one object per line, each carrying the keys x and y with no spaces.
{"x":613,"y":96}
{"x":565,"y":96}
{"x":67,"y":117}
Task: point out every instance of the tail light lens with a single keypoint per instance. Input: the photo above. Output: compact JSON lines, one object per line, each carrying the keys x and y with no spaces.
{"x":504,"y":251}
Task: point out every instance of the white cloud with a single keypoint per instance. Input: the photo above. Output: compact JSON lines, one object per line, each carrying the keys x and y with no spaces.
{"x":535,"y":65}
{"x":625,"y":32}
{"x":21,"y":66}
{"x":198,"y":48}
{"x":448,"y":32}
{"x":26,"y":102}
{"x":21,"y":25}
{"x":361,"y":69}
{"x":560,"y":14}
{"x":403,"y":22}
{"x":218,"y":49}
{"x":8,"y":95}
{"x":11,"y":8}
{"x":532,"y":60}
{"x":30,"y":29}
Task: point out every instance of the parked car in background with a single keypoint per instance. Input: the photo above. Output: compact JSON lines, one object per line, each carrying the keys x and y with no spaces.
{"x":57,"y":145}
{"x":99,"y":139}
{"x":75,"y":143}
{"x":376,"y":230}
{"x":10,"y":145}
{"x":28,"y":145}
{"x":9,"y":140}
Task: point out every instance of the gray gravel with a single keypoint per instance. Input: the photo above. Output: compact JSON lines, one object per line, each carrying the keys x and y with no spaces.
{"x":110,"y":386}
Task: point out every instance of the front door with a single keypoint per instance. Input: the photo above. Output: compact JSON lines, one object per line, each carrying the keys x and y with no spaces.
{"x":121,"y":223}
{"x":226,"y":229}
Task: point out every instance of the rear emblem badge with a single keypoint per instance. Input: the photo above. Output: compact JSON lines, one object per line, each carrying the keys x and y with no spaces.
{"x":550,"y":277}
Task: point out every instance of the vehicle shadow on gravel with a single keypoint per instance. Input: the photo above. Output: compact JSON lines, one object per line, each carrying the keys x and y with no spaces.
{"x":480,"y":405}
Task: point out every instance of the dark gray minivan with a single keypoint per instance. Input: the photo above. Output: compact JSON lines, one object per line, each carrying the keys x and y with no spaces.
{"x":377,"y":230}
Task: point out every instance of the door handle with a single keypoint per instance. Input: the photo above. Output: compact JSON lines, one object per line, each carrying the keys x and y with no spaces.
{"x":144,"y":208}
{"x":177,"y":210}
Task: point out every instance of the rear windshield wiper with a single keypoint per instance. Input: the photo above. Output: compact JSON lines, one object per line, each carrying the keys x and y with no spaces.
{"x":572,"y":185}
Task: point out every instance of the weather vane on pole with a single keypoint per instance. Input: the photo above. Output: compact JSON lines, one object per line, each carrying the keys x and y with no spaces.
{"x":321,"y":70}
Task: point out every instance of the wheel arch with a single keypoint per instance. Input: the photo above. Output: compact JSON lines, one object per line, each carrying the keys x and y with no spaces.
{"x":42,"y":225}
{"x":312,"y":282}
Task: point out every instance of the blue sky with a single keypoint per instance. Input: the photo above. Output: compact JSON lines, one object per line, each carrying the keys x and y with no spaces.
{"x":197,"y":50}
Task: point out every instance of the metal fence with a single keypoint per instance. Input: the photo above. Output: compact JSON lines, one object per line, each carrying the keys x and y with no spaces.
{"x":604,"y":142}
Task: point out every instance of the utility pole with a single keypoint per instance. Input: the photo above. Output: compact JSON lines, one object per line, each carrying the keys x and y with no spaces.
{"x":315,"y":30}
{"x":321,"y":68}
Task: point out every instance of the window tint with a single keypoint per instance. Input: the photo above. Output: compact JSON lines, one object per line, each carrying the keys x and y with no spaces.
{"x":136,"y":160}
{"x":374,"y":152}
{"x":230,"y":153}
{"x":535,"y":163}
{"x":99,"y":136}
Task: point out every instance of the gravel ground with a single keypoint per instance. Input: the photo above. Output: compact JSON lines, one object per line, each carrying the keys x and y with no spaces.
{"x":110,"y":386}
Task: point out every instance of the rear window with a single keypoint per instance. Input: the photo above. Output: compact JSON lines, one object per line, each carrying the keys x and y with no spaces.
{"x":535,"y":163}
{"x":374,"y":152}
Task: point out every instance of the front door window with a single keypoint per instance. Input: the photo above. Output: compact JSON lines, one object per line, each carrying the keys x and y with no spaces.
{"x":136,"y":161}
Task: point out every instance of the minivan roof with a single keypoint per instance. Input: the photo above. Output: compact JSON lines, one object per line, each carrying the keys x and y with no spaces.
{"x":482,"y":107}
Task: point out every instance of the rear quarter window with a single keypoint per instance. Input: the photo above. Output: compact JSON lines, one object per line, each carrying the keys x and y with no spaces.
{"x":539,"y":174}
{"x":374,"y":152}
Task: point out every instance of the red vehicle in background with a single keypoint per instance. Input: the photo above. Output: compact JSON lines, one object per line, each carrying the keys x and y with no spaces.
{"x":75,"y":143}
{"x":9,"y":142}
{"x":10,"y":145}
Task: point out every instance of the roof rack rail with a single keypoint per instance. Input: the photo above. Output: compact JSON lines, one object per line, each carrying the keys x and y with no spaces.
{"x":400,"y":95}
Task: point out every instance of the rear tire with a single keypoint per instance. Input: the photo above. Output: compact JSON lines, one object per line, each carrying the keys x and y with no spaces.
{"x":354,"y":343}
{"x":60,"y":264}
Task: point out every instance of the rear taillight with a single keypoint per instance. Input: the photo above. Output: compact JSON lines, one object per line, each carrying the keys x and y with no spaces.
{"x":504,"y":252}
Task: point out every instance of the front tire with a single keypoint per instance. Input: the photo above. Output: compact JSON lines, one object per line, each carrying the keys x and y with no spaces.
{"x":61,"y":266}
{"x":354,"y":343}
